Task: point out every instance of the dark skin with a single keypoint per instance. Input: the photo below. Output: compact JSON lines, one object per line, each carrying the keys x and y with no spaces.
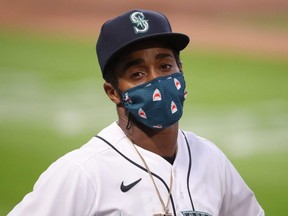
{"x":135,"y":66}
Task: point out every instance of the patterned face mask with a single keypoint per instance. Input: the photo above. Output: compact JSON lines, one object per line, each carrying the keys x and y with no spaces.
{"x":157,"y":103}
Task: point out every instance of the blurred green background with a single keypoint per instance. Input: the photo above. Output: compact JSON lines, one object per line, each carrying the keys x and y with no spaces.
{"x":51,"y":97}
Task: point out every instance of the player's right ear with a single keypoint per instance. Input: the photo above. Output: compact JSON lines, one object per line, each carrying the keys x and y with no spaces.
{"x":112,"y":93}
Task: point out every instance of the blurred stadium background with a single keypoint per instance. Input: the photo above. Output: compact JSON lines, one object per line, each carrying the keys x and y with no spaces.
{"x":51,"y":97}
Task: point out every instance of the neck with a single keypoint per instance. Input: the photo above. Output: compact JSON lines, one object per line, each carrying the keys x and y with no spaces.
{"x":160,"y":141}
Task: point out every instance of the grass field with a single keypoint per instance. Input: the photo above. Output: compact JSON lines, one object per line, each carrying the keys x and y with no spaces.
{"x":51,"y":101}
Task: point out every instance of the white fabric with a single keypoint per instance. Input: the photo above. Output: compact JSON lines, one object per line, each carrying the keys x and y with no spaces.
{"x":87,"y":181}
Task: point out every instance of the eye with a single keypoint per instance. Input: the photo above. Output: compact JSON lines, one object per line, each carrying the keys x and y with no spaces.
{"x":166,"y":67}
{"x":137,"y":75}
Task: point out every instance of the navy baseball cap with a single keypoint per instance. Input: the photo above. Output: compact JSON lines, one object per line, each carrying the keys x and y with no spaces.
{"x":135,"y":26}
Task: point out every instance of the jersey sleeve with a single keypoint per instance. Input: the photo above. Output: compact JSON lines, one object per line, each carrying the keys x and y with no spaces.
{"x":238,"y":199}
{"x":62,"y":190}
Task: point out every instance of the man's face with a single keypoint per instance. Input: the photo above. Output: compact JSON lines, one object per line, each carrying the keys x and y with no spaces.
{"x":144,"y":62}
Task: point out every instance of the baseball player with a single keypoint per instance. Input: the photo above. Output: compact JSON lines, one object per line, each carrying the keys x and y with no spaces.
{"x":142,"y":164}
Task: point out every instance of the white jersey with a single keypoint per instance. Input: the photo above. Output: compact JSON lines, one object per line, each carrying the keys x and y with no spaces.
{"x":106,"y":176}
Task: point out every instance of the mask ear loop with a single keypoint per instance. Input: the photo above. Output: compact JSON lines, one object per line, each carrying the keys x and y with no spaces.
{"x":128,"y":125}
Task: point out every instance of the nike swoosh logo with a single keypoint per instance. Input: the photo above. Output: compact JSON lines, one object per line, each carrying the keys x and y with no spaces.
{"x":125,"y":188}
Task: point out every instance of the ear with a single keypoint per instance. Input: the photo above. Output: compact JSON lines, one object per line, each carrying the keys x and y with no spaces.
{"x":112,"y":93}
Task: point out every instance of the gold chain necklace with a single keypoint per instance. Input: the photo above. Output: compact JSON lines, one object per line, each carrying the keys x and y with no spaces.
{"x":165,"y":207}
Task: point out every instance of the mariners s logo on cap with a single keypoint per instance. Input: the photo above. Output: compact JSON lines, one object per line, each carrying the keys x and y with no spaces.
{"x":138,"y":19}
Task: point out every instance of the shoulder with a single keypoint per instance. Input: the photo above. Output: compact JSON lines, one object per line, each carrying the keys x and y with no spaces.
{"x":205,"y":156}
{"x":78,"y":161}
{"x":79,"y":164}
{"x":208,"y":161}
{"x":201,"y":146}
{"x":97,"y":145}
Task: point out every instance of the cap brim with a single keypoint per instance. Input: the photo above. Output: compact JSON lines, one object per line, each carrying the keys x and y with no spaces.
{"x":177,"y":41}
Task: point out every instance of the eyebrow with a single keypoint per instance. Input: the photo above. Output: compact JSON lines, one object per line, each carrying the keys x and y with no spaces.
{"x":163,"y":55}
{"x":132,"y":63}
{"x":138,"y":61}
